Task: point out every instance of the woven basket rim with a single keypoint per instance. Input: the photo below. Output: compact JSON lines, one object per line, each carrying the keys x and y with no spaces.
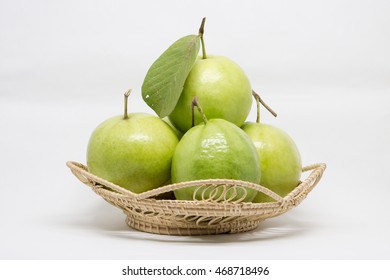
{"x":81,"y":172}
{"x":146,"y":212}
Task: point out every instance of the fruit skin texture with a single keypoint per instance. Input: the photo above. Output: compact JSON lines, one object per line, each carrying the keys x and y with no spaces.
{"x":280,"y":161}
{"x":134,"y":153}
{"x":215,"y":150}
{"x":223,"y":90}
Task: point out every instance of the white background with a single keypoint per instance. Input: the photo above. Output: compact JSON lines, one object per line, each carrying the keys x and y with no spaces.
{"x":324,"y":66}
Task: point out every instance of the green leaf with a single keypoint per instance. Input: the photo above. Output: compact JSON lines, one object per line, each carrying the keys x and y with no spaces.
{"x":165,"y":79}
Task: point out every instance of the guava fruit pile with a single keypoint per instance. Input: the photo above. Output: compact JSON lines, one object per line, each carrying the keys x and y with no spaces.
{"x":200,"y":131}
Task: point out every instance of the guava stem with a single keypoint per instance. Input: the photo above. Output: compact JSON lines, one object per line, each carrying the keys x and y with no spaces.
{"x":258,"y":108}
{"x":260,"y":101}
{"x":201,"y":32}
{"x":125,"y":115}
{"x":195,"y":102}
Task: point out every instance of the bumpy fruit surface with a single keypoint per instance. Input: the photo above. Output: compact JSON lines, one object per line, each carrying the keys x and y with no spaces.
{"x":215,"y":150}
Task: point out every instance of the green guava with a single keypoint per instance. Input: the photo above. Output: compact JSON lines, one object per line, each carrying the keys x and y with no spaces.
{"x":280,"y":160}
{"x":216,"y":149}
{"x":223,"y":90}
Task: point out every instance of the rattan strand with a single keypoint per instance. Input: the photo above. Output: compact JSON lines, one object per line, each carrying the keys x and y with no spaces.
{"x":146,"y":212}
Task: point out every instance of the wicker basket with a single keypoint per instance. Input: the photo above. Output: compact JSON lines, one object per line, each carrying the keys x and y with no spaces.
{"x":156,"y":212}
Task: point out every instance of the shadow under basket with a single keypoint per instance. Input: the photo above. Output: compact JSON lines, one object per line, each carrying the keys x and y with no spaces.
{"x":156,"y":211}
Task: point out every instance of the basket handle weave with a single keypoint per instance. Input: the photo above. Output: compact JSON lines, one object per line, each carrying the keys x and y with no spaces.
{"x":82,"y":173}
{"x":301,"y":191}
{"x":210,"y":182}
{"x":294,"y":197}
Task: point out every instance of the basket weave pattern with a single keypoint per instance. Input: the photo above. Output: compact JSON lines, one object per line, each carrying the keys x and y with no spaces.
{"x":155,"y":212}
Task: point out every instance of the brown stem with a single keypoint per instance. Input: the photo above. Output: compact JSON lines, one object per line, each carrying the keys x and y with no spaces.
{"x":258,"y":101}
{"x":195,"y":102}
{"x":200,"y":33}
{"x":125,"y":115}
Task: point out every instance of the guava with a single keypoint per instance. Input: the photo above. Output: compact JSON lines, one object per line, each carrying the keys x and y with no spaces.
{"x":223,"y":89}
{"x":133,"y":151}
{"x":280,"y":160}
{"x":215,"y":149}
